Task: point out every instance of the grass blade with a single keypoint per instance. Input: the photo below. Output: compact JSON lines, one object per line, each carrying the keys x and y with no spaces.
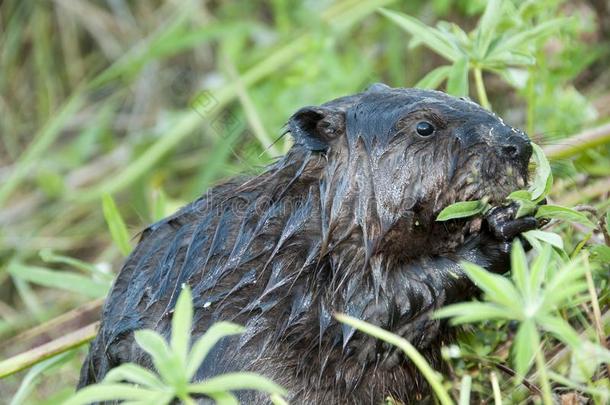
{"x":118,"y":229}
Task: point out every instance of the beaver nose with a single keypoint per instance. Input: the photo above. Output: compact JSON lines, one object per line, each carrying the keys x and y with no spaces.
{"x":517,"y":147}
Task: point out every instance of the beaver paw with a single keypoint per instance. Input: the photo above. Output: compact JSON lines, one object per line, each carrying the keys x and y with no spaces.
{"x":504,"y":226}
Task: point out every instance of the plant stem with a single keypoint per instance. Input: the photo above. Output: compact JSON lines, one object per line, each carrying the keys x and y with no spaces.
{"x":543,"y":377}
{"x":482,"y":94}
{"x":47,"y":350}
{"x":434,"y":379}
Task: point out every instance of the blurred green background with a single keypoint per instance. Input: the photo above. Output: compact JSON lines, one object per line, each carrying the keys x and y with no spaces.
{"x":151,"y":102}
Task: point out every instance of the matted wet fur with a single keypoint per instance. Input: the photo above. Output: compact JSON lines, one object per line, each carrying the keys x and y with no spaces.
{"x":345,"y":222}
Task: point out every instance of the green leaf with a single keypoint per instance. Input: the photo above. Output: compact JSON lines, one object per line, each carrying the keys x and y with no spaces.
{"x":559,"y":295}
{"x":115,"y":222}
{"x":63,"y":280}
{"x":563,"y":284}
{"x":457,"y":84}
{"x":527,"y":37}
{"x":166,"y":362}
{"x":31,"y":378}
{"x":465,"y":387}
{"x":159,"y":204}
{"x":278,"y":400}
{"x":135,"y":374}
{"x":561,"y":330}
{"x":203,"y":345}
{"x":467,"y":312}
{"x":461,"y":209}
{"x":487,"y":25}
{"x":181,"y":325}
{"x":563,"y":213}
{"x":543,"y":178}
{"x":524,"y":348}
{"x":519,"y":270}
{"x":548,"y":237}
{"x":109,"y":392}
{"x":223,"y":398}
{"x":236,"y":381}
{"x":429,"y":36}
{"x":434,"y":78}
{"x":497,"y":288}
{"x":49,"y":256}
{"x":600,"y":253}
{"x":538,"y":268}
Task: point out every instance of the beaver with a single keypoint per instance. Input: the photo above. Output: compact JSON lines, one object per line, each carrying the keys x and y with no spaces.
{"x":344,"y":222}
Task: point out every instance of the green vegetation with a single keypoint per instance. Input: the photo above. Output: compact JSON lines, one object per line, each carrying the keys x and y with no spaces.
{"x":115,"y":113}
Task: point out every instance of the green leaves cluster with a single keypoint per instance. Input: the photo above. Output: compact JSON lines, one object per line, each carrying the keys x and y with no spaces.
{"x":504,"y":39}
{"x":531,"y":297}
{"x":176,"y":365}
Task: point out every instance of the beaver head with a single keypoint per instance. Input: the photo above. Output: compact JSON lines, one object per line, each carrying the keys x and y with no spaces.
{"x":397,"y":157}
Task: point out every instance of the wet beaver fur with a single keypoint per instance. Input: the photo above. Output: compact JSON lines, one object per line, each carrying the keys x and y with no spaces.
{"x":345,"y":222}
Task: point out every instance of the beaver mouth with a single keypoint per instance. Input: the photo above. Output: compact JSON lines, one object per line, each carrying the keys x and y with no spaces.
{"x":491,"y":180}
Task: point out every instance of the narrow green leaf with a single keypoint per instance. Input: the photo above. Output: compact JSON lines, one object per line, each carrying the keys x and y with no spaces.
{"x":548,"y":237}
{"x":167,"y":364}
{"x":434,"y":78}
{"x":497,"y":288}
{"x":31,"y":378}
{"x":564,"y":283}
{"x":159,"y":204}
{"x":465,"y":390}
{"x":118,"y":229}
{"x":63,"y":280}
{"x":543,"y":177}
{"x":457,"y":83}
{"x":600,"y":253}
{"x":278,"y":400}
{"x":49,"y":256}
{"x":429,"y":36}
{"x":181,"y":325}
{"x":561,"y":330}
{"x":461,"y":209}
{"x":236,"y":381}
{"x":527,"y":37}
{"x":432,"y":377}
{"x":468,"y":312}
{"x":563,"y":294}
{"x":538,"y":269}
{"x":223,"y":398}
{"x":564,"y":213}
{"x":109,"y":392}
{"x":519,"y":270}
{"x":523,"y":350}
{"x":487,"y":25}
{"x":203,"y":345}
{"x":135,"y":374}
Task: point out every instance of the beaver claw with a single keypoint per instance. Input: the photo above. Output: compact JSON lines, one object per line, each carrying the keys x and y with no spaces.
{"x":503,"y":224}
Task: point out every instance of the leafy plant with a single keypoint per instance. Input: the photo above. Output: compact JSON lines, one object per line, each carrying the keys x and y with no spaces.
{"x":532,"y":299}
{"x":502,"y":40}
{"x":175,"y":366}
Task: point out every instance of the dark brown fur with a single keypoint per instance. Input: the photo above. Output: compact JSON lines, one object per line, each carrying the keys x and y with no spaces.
{"x":345,"y":222}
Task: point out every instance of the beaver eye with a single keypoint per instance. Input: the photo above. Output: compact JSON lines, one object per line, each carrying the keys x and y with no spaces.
{"x":424,"y":128}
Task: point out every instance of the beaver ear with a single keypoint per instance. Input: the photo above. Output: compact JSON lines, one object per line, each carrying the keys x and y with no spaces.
{"x":315,"y":127}
{"x":377,"y":88}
